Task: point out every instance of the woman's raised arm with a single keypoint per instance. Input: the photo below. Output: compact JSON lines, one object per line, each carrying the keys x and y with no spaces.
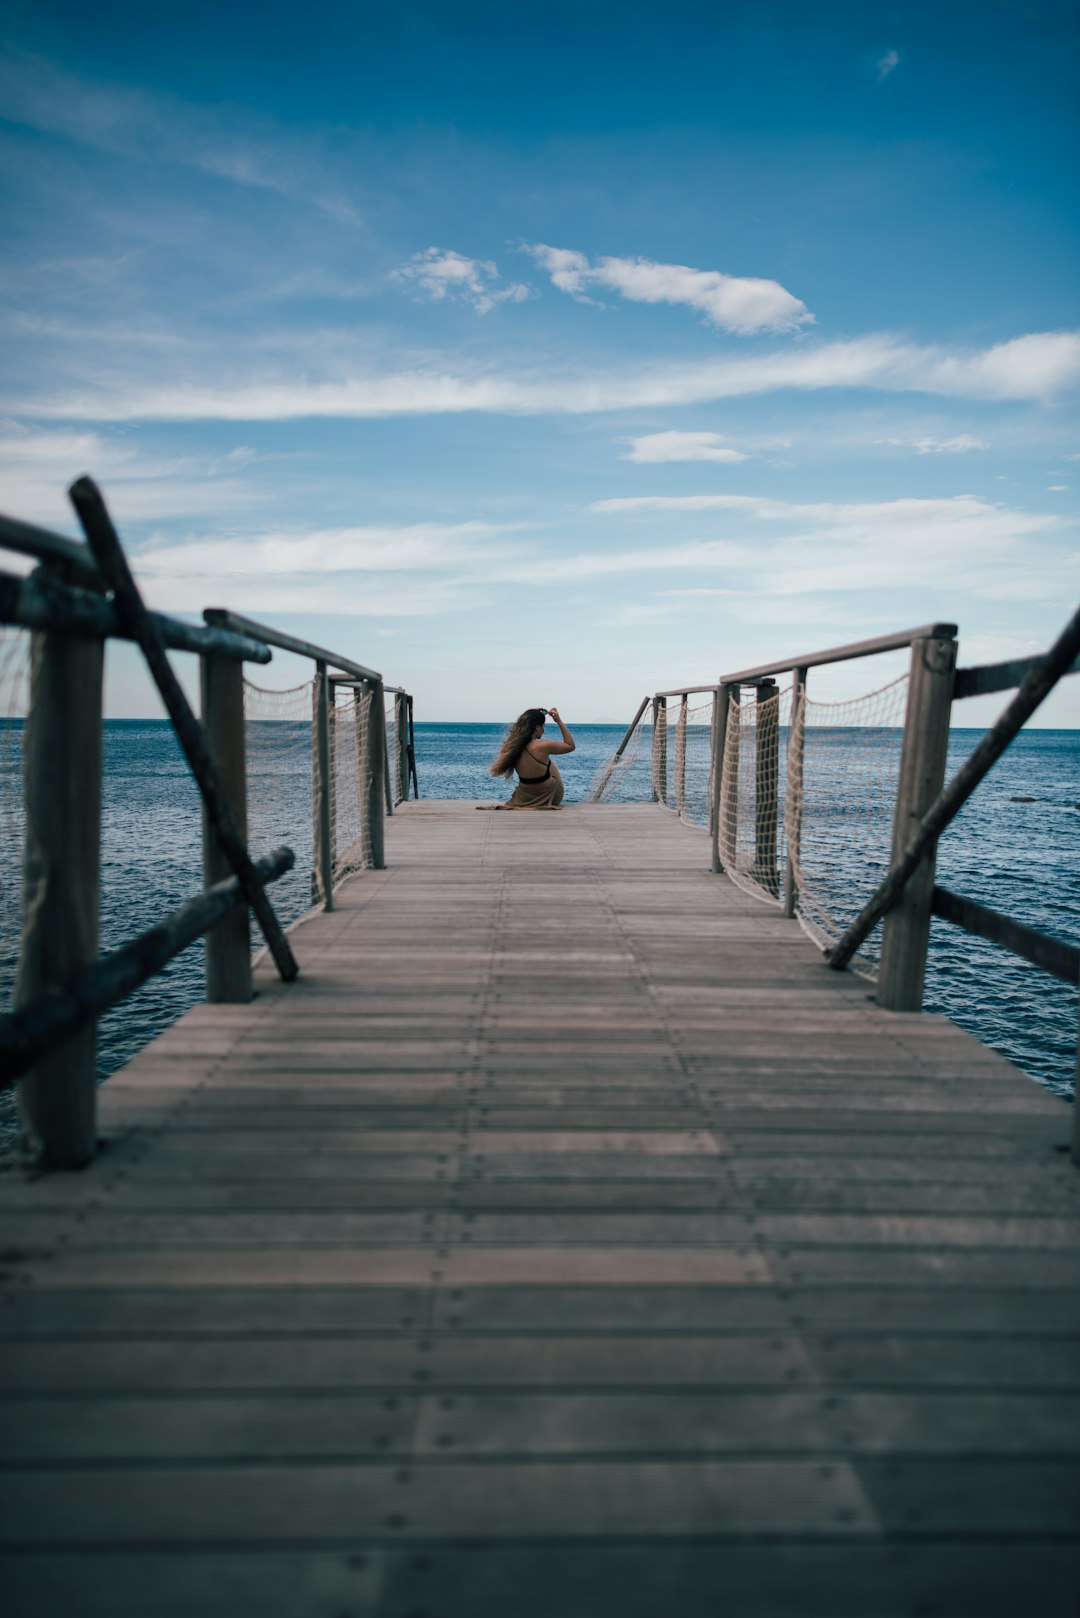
{"x":567,"y":745}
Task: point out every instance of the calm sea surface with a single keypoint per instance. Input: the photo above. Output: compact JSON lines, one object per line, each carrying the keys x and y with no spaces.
{"x":1016,"y":847}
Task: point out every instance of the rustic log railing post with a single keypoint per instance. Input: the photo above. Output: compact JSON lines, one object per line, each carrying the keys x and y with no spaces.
{"x":659,"y":749}
{"x":61,"y":883}
{"x":906,"y":938}
{"x":388,"y":790}
{"x":766,"y":797}
{"x":729,"y":781}
{"x":721,"y":700}
{"x":373,"y":709}
{"x":359,"y":757}
{"x":323,"y":861}
{"x":228,"y":945}
{"x":401,"y":746}
{"x":412,"y":751}
{"x":680,"y":754}
{"x":793,"y":795}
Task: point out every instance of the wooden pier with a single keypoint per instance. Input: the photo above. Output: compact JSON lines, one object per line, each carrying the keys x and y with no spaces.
{"x":565,"y":1241}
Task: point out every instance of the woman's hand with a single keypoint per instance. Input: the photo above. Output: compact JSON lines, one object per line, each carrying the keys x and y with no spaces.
{"x":567,"y":745}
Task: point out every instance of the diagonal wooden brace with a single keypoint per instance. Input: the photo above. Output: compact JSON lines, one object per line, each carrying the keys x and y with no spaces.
{"x":109,"y":554}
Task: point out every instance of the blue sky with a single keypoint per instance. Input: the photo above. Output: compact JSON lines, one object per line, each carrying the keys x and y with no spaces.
{"x":553,"y":353}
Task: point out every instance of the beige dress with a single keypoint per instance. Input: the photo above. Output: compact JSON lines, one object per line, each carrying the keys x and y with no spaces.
{"x":547,"y":794}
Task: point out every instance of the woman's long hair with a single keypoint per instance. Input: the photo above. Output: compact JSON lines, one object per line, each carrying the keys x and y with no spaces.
{"x":517,"y":739}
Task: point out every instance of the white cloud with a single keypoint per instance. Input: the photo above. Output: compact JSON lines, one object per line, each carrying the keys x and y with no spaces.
{"x":37,"y":465}
{"x":1058,"y":488}
{"x":887,"y":64}
{"x":439,"y":273}
{"x":960,"y":445}
{"x":778,"y":548}
{"x":655,"y":447}
{"x":407,"y":547}
{"x":1032,"y":367}
{"x":740,"y":304}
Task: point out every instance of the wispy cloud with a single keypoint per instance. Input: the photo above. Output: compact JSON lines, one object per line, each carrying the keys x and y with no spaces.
{"x":961,"y":444}
{"x":38,"y":464}
{"x":36,"y":93}
{"x":1037,"y":366}
{"x":789,"y":549}
{"x":674,"y":446}
{"x":887,"y":64}
{"x":438,"y":274}
{"x":739,"y":304}
{"x":409,"y":547}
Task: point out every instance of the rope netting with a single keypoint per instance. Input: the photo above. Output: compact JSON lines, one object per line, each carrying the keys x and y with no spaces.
{"x":752,"y":790}
{"x":840,"y":808}
{"x":687,"y":760}
{"x":14,"y":701}
{"x":625,"y":778}
{"x":282,"y":762}
{"x":351,"y":836}
{"x":805,"y":797}
{"x":280,"y":802}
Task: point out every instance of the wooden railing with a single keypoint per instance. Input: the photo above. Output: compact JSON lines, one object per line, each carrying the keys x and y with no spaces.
{"x":908,"y":897}
{"x":80,"y":596}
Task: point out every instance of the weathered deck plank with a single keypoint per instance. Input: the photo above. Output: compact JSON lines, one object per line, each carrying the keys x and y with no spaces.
{"x":565,"y":1240}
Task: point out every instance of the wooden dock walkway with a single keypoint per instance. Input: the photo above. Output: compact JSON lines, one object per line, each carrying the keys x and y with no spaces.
{"x":566,"y":1241}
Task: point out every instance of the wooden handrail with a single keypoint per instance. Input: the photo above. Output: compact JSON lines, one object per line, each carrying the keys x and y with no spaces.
{"x":29,"y":540}
{"x":1037,"y":685}
{"x":1052,"y":955}
{"x":842,"y":654}
{"x":987,"y":678}
{"x":31,"y":1033}
{"x":42,"y":602}
{"x":222,"y":619}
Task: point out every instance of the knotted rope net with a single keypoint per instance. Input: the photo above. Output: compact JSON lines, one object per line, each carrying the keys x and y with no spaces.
{"x":278,"y":741}
{"x":840,"y":806}
{"x":280,"y":729}
{"x":14,"y":701}
{"x":685,"y":761}
{"x":806,"y":796}
{"x":626,"y":776}
{"x":752,"y":790}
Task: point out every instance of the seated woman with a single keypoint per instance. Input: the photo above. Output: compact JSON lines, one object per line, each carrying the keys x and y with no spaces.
{"x":526,"y":752}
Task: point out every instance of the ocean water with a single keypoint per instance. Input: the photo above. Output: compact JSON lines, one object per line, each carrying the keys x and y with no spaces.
{"x":1015,"y":847}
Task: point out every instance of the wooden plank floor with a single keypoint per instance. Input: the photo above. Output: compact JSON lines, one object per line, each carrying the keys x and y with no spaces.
{"x":566,"y":1241}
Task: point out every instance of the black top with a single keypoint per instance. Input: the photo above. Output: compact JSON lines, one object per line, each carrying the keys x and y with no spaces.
{"x":533,"y":780}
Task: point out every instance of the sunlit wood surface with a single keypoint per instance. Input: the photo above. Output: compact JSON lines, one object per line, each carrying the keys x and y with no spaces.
{"x":568,"y":1241}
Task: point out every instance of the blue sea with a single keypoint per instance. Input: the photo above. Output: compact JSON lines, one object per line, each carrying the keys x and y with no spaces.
{"x":1015,"y":847}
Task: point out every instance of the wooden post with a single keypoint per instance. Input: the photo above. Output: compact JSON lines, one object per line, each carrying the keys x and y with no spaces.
{"x":729,"y":784}
{"x":401,"y":746}
{"x":793,"y":797}
{"x":373,"y":707}
{"x":906,"y":939}
{"x":323,"y":862}
{"x":61,"y":870}
{"x":228,"y":945}
{"x":659,"y":749}
{"x":388,"y":791}
{"x":360,"y":720}
{"x":721,"y":701}
{"x":412,"y":752}
{"x":680,"y":754}
{"x":766,"y":796}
